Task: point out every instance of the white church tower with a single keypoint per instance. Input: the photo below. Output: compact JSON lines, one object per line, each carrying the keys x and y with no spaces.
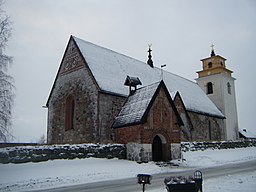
{"x":219,"y":85}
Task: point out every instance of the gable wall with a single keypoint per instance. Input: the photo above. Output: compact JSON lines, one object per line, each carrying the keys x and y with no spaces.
{"x":162,"y":121}
{"x":76,"y":81}
{"x":187,"y":127}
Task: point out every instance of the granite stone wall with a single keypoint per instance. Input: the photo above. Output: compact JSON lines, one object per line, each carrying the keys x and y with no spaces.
{"x":206,"y":128}
{"x":24,"y":154}
{"x":196,"y":146}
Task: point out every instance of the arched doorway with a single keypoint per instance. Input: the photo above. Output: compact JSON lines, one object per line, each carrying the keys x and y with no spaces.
{"x":157,"y":149}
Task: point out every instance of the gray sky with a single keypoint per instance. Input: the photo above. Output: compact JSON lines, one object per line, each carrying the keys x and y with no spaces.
{"x":181,"y":32}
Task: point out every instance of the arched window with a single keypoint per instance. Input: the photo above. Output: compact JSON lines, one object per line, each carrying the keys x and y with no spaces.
{"x":209,"y":88}
{"x":210,"y":65}
{"x":69,"y":113}
{"x":229,"y":88}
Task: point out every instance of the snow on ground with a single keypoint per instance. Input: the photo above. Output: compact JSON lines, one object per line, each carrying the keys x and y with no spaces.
{"x":56,"y":173}
{"x":218,"y":157}
{"x":231,"y":183}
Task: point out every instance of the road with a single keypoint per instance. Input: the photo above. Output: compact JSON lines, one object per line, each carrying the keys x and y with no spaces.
{"x":130,"y":184}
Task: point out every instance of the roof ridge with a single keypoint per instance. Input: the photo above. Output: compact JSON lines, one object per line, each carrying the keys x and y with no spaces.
{"x":108,"y":49}
{"x":157,"y":82}
{"x":156,"y":67}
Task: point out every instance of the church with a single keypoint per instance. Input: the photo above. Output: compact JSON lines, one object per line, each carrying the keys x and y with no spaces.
{"x":101,"y":96}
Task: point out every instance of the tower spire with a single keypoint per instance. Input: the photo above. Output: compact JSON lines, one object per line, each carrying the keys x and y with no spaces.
{"x":212,"y":53}
{"x":150,"y":61}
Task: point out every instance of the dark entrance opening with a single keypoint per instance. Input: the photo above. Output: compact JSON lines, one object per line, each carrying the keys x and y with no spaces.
{"x":157,"y":149}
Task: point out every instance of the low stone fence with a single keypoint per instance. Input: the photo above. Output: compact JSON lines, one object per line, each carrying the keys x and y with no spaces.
{"x":23,"y":154}
{"x":196,"y":146}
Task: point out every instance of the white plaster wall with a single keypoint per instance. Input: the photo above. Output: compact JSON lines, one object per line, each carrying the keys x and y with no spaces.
{"x":224,"y":101}
{"x":175,"y":151}
{"x":139,"y":152}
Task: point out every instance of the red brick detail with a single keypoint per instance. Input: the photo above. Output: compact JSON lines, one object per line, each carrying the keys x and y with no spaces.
{"x":164,"y":123}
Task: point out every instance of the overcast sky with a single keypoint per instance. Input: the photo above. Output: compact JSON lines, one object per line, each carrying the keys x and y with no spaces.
{"x":180,"y":31}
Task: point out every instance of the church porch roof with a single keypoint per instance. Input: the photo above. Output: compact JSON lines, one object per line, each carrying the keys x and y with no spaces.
{"x":135,"y":109}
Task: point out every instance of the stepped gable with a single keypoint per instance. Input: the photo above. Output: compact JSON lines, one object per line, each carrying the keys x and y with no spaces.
{"x":110,"y":69}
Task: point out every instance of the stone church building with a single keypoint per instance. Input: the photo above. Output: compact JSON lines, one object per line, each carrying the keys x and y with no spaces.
{"x":101,"y":96}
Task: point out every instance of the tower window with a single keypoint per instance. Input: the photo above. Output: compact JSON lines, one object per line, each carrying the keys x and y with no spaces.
{"x":210,"y":65}
{"x":209,"y":88}
{"x":70,"y":111}
{"x":229,"y":88}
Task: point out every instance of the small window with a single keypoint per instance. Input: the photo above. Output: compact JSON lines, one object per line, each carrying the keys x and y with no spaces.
{"x":209,"y":88}
{"x":70,"y":111}
{"x":229,"y":88}
{"x":210,"y":65}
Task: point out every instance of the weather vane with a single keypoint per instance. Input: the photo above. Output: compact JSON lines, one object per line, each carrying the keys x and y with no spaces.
{"x":162,"y":75}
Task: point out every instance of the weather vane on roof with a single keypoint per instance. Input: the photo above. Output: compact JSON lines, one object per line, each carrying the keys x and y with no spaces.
{"x":162,"y":75}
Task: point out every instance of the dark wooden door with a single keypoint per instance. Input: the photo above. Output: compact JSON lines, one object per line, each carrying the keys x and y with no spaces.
{"x":157,"y":149}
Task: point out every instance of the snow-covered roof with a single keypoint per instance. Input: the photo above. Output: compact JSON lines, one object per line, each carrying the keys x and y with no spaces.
{"x":111,"y":68}
{"x":135,"y":109}
{"x":135,"y":106}
{"x":247,"y":134}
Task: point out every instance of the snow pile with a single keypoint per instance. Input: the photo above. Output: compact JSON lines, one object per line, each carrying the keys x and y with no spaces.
{"x":56,"y":173}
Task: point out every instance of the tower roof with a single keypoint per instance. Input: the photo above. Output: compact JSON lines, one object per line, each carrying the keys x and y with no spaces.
{"x":215,"y":64}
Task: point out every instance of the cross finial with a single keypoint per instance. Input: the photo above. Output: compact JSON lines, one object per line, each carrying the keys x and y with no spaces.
{"x":149,"y":48}
{"x":212,"y":53}
{"x":212,"y":46}
{"x":150,"y":62}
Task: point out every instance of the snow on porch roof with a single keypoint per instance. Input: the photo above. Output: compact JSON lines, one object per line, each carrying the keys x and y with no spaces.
{"x":111,"y":68}
{"x":135,"y":109}
{"x":135,"y":106}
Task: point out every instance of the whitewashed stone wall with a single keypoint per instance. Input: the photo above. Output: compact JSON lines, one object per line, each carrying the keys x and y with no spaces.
{"x":139,"y":152}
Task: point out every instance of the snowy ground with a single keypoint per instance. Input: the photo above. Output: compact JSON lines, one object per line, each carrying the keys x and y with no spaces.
{"x":56,"y":173}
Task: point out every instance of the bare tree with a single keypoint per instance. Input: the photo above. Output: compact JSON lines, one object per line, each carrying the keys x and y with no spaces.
{"x":6,"y":81}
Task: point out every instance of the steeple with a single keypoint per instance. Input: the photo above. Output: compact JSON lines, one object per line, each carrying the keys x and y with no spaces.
{"x":150,"y":61}
{"x":215,"y":64}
